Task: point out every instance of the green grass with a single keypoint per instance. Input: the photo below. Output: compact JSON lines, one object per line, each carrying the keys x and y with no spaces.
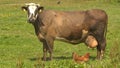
{"x":19,"y":47}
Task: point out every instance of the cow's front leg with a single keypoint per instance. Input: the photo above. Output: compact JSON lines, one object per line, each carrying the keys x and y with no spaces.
{"x":50,"y":42}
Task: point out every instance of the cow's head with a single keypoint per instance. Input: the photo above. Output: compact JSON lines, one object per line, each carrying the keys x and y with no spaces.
{"x":32,"y":10}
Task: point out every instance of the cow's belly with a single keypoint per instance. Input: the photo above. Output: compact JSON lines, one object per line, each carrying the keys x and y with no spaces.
{"x":74,"y":38}
{"x":90,"y":41}
{"x":72,"y":41}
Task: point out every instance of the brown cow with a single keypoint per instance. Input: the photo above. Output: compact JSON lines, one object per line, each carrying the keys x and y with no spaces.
{"x":71,"y":26}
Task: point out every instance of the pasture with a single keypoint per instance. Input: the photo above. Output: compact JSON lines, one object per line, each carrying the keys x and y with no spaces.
{"x":20,"y":48}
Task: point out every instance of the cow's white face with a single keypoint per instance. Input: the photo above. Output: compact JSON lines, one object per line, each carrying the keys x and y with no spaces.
{"x":32,"y":13}
{"x":32,"y":10}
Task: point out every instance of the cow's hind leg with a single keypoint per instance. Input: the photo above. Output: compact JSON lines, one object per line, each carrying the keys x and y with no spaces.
{"x":103,"y":45}
{"x":101,"y":48}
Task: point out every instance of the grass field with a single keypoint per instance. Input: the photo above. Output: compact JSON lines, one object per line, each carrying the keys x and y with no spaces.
{"x":20,"y":48}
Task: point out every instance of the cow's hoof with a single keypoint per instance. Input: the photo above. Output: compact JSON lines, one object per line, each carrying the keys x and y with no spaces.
{"x":98,"y":58}
{"x":50,"y":58}
{"x":44,"y":59}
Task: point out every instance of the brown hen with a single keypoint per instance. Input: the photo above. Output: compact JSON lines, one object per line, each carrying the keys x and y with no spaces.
{"x":80,"y":59}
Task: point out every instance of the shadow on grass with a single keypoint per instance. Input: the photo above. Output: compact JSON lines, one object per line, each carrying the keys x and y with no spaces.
{"x":62,"y":57}
{"x":34,"y":59}
{"x":92,"y":57}
{"x":56,"y":58}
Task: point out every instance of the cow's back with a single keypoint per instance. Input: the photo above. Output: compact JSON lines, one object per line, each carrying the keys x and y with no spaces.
{"x":97,"y":14}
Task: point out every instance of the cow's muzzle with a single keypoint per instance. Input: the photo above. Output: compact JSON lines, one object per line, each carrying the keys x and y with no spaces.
{"x":31,"y":20}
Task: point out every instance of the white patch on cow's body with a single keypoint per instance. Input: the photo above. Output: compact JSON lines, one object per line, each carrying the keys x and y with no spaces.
{"x":84,"y":33}
{"x":60,"y":38}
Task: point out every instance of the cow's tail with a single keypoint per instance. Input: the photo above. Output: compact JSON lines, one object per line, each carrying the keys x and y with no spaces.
{"x":105,"y":32}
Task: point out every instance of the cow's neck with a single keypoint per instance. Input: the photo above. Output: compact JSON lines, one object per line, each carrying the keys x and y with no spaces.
{"x":37,"y":26}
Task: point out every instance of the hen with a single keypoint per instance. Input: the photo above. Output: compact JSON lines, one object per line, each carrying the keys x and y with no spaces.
{"x":80,"y":59}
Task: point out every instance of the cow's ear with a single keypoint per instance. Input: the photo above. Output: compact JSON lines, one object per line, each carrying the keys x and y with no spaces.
{"x":41,"y":8}
{"x":24,"y":8}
